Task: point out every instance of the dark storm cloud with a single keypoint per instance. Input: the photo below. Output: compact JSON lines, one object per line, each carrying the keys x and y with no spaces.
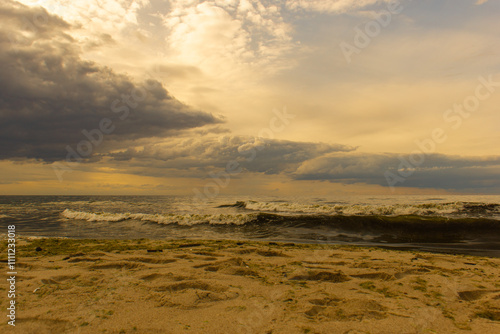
{"x":49,"y":95}
{"x":253,"y":154}
{"x":421,"y":171}
{"x":311,"y":161}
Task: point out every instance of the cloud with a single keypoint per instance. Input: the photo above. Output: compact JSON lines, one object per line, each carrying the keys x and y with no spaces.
{"x":480,"y":2}
{"x":209,"y":153}
{"x":49,"y":94}
{"x":227,"y":37}
{"x":197,"y":157}
{"x":332,"y":6}
{"x":110,"y":15}
{"x":436,"y":170}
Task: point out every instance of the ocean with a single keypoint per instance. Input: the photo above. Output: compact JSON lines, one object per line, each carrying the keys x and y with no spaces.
{"x":450,"y":224}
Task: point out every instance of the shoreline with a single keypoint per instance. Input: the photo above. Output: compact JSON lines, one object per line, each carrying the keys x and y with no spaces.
{"x":444,"y":248}
{"x":222,"y":286}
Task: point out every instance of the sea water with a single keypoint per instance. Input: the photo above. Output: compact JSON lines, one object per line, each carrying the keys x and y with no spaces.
{"x":466,"y":224}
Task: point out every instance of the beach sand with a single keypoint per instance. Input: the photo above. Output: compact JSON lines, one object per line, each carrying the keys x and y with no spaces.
{"x":117,"y":286}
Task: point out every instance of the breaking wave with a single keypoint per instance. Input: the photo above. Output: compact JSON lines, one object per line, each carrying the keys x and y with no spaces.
{"x":425,"y":209}
{"x":356,"y":223}
{"x":186,"y":219}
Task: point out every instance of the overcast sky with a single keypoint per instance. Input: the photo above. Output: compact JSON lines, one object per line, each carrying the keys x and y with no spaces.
{"x":291,"y":97}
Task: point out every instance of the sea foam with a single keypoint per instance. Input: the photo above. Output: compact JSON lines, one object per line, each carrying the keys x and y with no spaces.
{"x":186,"y":219}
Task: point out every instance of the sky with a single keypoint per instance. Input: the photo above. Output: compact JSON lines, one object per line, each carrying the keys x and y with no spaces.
{"x":253,"y":97}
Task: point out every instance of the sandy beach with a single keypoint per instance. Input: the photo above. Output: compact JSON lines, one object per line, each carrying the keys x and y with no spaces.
{"x":150,"y":286}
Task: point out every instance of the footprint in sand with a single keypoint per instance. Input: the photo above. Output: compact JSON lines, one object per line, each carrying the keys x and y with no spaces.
{"x":84,"y":259}
{"x":190,"y":294}
{"x":169,"y":276}
{"x":118,"y":265}
{"x":150,"y":260}
{"x":380,"y":276}
{"x":325,"y":301}
{"x":63,"y":278}
{"x":408,"y":272}
{"x":323,"y":276}
{"x":207,"y":253}
{"x":270,"y":253}
{"x":246,"y":251}
{"x":233,"y":266}
{"x":42,"y":325}
{"x":25,"y":266}
{"x":349,"y":310}
{"x":200,"y":285}
{"x":474,"y":294}
{"x":184,"y":257}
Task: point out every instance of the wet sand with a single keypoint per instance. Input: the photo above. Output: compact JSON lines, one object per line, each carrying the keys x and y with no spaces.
{"x":151,"y":286}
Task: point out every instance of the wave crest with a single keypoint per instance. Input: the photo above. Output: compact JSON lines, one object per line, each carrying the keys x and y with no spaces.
{"x":425,"y":209}
{"x":186,"y":219}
